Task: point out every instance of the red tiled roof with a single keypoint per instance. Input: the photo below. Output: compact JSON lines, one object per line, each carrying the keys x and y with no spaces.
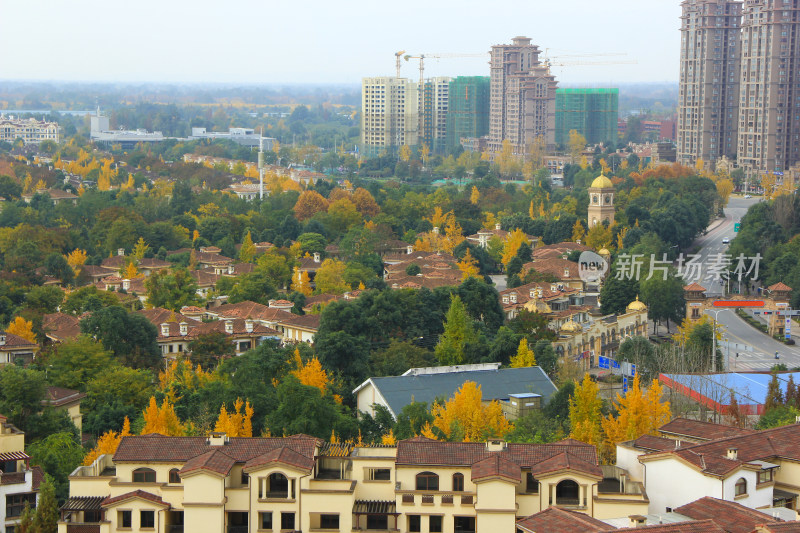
{"x":251,"y":310}
{"x":58,"y":396}
{"x":694,"y":287}
{"x":421,"y":451}
{"x":15,"y":341}
{"x":731,"y":516}
{"x":60,"y":326}
{"x":555,"y":266}
{"x":159,"y":315}
{"x":496,"y":466}
{"x":699,"y":526}
{"x":557,"y":520}
{"x":782,"y":442}
{"x":239,"y":328}
{"x":713,"y":464}
{"x":652,"y":443}
{"x":213,"y":461}
{"x":159,"y":448}
{"x":566,"y":461}
{"x":283,"y":455}
{"x":779,"y":527}
{"x":696,"y":429}
{"x":37,"y":478}
{"x":140,"y":494}
{"x":780,"y":286}
{"x":302,"y":321}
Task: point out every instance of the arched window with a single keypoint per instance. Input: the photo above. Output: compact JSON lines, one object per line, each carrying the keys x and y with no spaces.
{"x":741,"y":487}
{"x":458,"y":482}
{"x":278,"y":486}
{"x":567,"y":493}
{"x":174,"y":477}
{"x":427,"y":481}
{"x":144,"y":475}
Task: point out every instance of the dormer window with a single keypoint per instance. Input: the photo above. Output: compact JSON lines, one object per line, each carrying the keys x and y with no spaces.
{"x":566,"y":272}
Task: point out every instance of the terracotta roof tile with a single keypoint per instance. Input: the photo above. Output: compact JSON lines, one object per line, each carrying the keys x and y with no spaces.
{"x":283,"y":455}
{"x":15,"y":341}
{"x":780,"y":286}
{"x":421,"y":451}
{"x":557,"y":520}
{"x":694,"y":287}
{"x":213,"y":461}
{"x":496,"y":466}
{"x":566,"y":461}
{"x":731,"y":516}
{"x":60,"y":326}
{"x":58,"y":396}
{"x":696,"y":429}
{"x":159,"y":448}
{"x":699,"y":526}
{"x":140,"y":494}
{"x":779,"y":527}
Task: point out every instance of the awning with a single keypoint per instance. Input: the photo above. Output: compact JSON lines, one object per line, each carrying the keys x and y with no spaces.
{"x":83,"y":503}
{"x":779,"y":494}
{"x":375,"y":507}
{"x":14,"y":456}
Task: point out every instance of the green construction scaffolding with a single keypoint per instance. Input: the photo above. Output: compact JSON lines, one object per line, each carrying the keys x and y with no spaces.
{"x":591,"y":112}
{"x":468,"y":109}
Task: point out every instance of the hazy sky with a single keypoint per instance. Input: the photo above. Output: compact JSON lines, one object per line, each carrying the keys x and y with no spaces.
{"x":302,"y":41}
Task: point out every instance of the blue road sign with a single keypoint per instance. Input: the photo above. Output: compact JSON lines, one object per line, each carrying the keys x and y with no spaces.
{"x":624,"y":384}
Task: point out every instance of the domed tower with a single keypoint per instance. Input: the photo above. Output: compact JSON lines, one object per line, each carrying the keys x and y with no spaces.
{"x":601,"y":201}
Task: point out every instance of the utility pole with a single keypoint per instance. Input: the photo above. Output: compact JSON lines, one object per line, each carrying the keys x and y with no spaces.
{"x":714,"y":338}
{"x":261,"y":165}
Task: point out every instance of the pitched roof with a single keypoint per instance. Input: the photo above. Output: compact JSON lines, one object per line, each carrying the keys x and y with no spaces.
{"x":239,"y":328}
{"x":694,"y":287}
{"x":696,"y":429}
{"x":557,"y":520}
{"x":283,"y":455}
{"x":698,"y":526}
{"x":566,"y":461}
{"x":140,"y":494}
{"x":555,"y":266}
{"x":780,"y":286}
{"x":496,"y":466}
{"x":252,"y":310}
{"x":422,"y":451}
{"x":652,"y":443}
{"x":58,"y":396}
{"x":779,"y":527}
{"x":60,"y":326}
{"x":159,"y":315}
{"x":212,"y":461}
{"x":399,"y":391}
{"x":731,"y":516}
{"x":15,"y":341}
{"x":715,"y":465}
{"x":159,"y":448}
{"x":310,"y":322}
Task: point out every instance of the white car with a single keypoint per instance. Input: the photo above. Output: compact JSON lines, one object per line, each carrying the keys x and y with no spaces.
{"x":725,"y":240}
{"x":748,"y":196}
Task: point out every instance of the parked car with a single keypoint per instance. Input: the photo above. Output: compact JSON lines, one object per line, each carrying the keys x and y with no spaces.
{"x":725,"y":240}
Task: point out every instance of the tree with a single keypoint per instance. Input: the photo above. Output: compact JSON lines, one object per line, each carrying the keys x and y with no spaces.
{"x":311,"y":242}
{"x":458,"y":332}
{"x":468,"y":266}
{"x":171,"y":289}
{"x":72,"y":364}
{"x":329,"y":278}
{"x":209,"y":348}
{"x":58,"y":454}
{"x":309,"y":204}
{"x":302,"y":409}
{"x":140,"y":249}
{"x":238,"y":423}
{"x":576,"y":145}
{"x":365,"y":203}
{"x":578,"y":231}
{"x":248,"y":250}
{"x":76,"y":259}
{"x":256,"y":286}
{"x":639,"y":413}
{"x":585,"y":412}
{"x":513,"y":241}
{"x":774,"y":394}
{"x":405,"y":153}
{"x":162,"y":420}
{"x":398,"y":357}
{"x":664,"y":298}
{"x":310,"y":373}
{"x":130,"y":336}
{"x":525,"y":356}
{"x":46,"y":299}
{"x":56,"y":265}
{"x":464,"y":417}
{"x":22,"y":328}
{"x":475,"y":195}
{"x":108,"y":443}
{"x":301,"y":282}
{"x":88,"y":298}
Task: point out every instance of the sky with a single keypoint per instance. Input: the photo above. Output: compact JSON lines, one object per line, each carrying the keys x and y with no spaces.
{"x":324,"y":41}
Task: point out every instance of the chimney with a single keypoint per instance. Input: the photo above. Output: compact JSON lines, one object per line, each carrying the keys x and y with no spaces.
{"x":637,"y":520}
{"x":248,"y":326}
{"x":165,"y":330}
{"x":497,"y":226}
{"x":495,"y":445}
{"x":126,"y":284}
{"x":229,"y":327}
{"x":733,"y":453}
{"x":797,"y":419}
{"x":184,"y":328}
{"x":316,"y":257}
{"x":3,"y":338}
{"x":121,"y":252}
{"x":435,"y":231}
{"x":217,"y":439}
{"x":409,"y":249}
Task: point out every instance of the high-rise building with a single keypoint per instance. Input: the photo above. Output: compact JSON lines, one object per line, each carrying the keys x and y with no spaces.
{"x":390,"y":115}
{"x":591,"y":112}
{"x":433,"y":124}
{"x":468,"y":110}
{"x":769,"y":97}
{"x":523,"y":96}
{"x":709,"y":80}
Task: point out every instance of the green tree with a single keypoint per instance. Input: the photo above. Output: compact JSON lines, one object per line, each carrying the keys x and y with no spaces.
{"x":411,"y":419}
{"x":774,"y":394}
{"x":45,"y":299}
{"x":58,"y":455}
{"x":46,"y":518}
{"x":248,"y":250}
{"x":275,"y":267}
{"x":88,"y":298}
{"x":458,"y":333}
{"x":398,"y":357}
{"x":255,"y":286}
{"x":171,"y":290}
{"x":302,"y":409}
{"x":642,"y":353}
{"x":207,"y":350}
{"x":74,"y":363}
{"x":126,"y":386}
{"x":546,"y":356}
{"x":130,"y":336}
{"x":311,"y":243}
{"x":664,"y":298}
{"x":533,"y":325}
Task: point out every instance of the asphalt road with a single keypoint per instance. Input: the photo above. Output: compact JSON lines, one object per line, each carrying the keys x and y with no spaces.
{"x":756,"y":351}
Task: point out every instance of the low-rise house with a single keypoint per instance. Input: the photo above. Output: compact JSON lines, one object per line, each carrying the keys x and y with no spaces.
{"x":302,"y":484}
{"x":206,"y":280}
{"x":15,"y":349}
{"x":293,"y":328}
{"x":565,"y":272}
{"x":60,"y":327}
{"x":68,"y":400}
{"x":483,"y":237}
{"x":244,"y":334}
{"x":539,"y":297}
{"x":517,"y":389}
{"x":19,"y":482}
{"x":57,"y":196}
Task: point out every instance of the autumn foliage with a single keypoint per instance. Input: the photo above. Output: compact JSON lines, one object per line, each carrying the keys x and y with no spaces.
{"x":108,"y":443}
{"x":464,"y":417}
{"x":22,"y":328}
{"x":237,"y":423}
{"x":162,"y":420}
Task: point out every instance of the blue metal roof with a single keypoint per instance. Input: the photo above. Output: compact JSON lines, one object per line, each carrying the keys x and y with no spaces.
{"x":499,"y":384}
{"x":749,"y":388}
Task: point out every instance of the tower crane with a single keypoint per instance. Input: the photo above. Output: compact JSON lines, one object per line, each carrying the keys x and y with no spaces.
{"x":398,"y":56}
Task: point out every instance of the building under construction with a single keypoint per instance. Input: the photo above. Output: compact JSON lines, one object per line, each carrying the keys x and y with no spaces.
{"x":468,"y":113}
{"x":591,"y":112}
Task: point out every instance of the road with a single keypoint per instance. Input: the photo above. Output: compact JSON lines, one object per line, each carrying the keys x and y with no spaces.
{"x":756,"y":351}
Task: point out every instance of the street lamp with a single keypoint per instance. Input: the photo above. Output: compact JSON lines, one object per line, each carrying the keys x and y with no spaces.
{"x":714,"y":338}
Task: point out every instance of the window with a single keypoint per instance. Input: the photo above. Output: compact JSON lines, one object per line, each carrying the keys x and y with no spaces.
{"x":147,"y":519}
{"x":427,"y":481}
{"x":531,"y":485}
{"x":245,"y":479}
{"x":464,"y":524}
{"x":287,"y":520}
{"x":15,"y":503}
{"x":458,"y":482}
{"x":378,"y":521}
{"x":265,"y":520}
{"x":414,"y":523}
{"x":174,"y":477}
{"x":378,"y":474}
{"x":435,"y":524}
{"x":765,"y":475}
{"x":124,"y":519}
{"x":278,"y":486}
{"x":329,"y":521}
{"x":741,"y":487}
{"x":144,"y":475}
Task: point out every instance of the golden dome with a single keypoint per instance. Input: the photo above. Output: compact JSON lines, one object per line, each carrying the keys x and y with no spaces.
{"x":570,"y":326}
{"x":602,"y":182}
{"x":604,"y":252}
{"x":636,"y":305}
